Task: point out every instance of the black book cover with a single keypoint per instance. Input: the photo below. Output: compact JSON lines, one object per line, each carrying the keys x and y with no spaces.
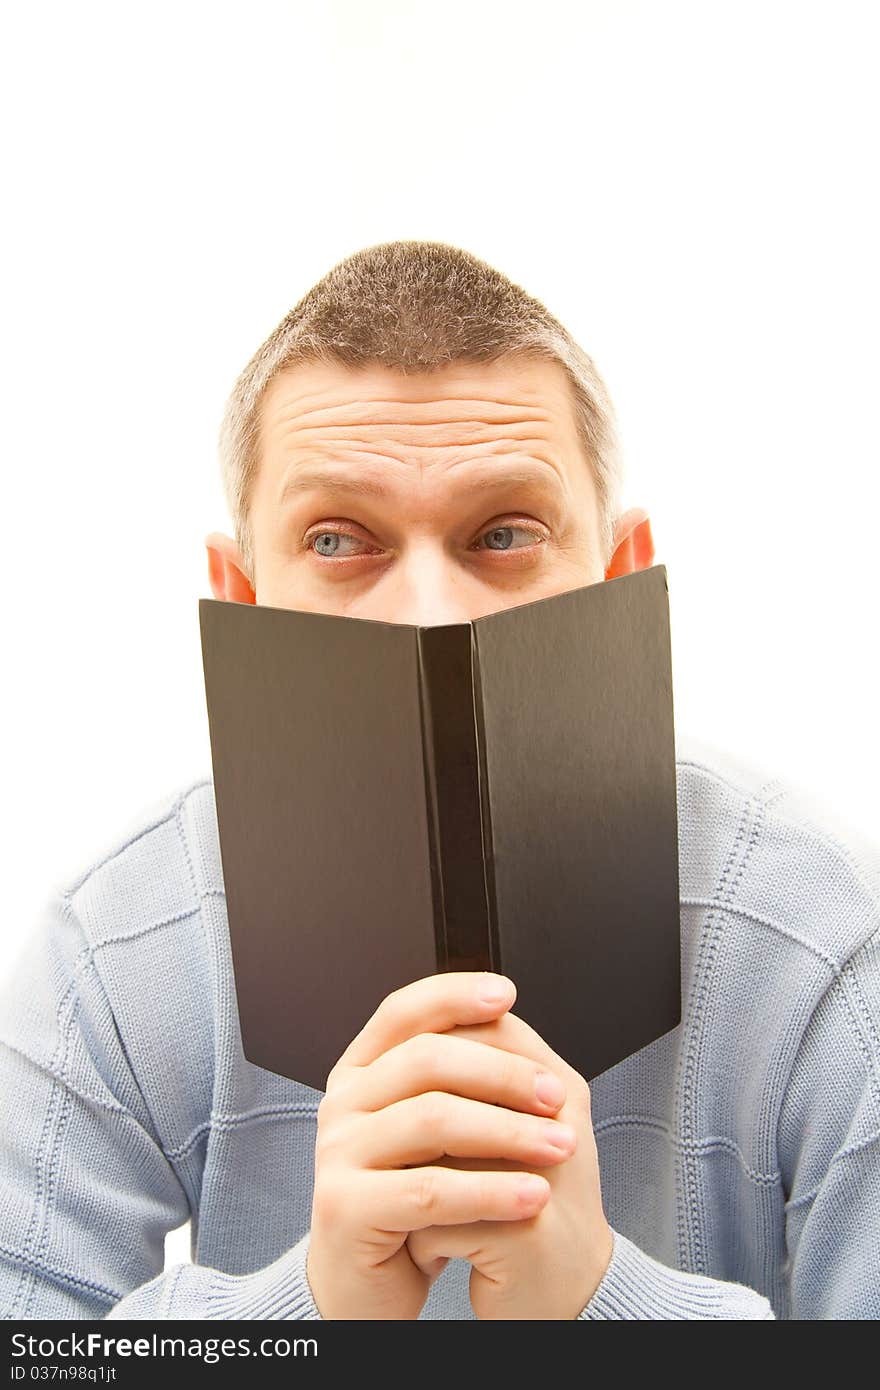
{"x":393,"y":801}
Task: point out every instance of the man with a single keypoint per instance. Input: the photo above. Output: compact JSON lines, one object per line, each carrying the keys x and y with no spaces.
{"x":419,"y":441}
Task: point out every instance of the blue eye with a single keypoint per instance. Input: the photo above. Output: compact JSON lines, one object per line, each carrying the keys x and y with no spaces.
{"x":331,"y":545}
{"x":328,"y":543}
{"x":501,"y":537}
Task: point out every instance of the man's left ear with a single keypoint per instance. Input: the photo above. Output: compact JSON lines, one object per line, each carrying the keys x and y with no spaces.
{"x":633,"y":544}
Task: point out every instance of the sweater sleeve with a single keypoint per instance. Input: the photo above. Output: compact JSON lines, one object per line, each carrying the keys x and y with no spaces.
{"x":278,"y":1291}
{"x":638,"y":1288}
{"x":828,"y":1145}
{"x":829,"y":1149}
{"x":87,"y":1193}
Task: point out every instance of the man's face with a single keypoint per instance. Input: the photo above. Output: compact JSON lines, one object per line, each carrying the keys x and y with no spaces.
{"x":420,"y":499}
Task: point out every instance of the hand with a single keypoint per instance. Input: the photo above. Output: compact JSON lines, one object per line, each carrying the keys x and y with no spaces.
{"x":405,"y":1093}
{"x":550,"y":1265}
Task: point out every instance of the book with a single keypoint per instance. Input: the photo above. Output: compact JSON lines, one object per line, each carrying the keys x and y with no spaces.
{"x":395,"y":801}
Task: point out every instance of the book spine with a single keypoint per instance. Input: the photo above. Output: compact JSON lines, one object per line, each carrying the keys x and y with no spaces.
{"x":434,"y":846}
{"x":452,"y":771}
{"x":496,"y":962}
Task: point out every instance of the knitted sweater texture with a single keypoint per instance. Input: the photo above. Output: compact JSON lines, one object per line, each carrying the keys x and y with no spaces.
{"x":739,"y":1154}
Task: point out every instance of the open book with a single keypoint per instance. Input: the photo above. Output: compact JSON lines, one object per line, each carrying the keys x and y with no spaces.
{"x":393,"y":801}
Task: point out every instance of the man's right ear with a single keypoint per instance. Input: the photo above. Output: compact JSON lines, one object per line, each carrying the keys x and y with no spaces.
{"x":226,"y":570}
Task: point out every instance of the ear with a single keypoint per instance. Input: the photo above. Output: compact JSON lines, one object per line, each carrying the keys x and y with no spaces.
{"x":633,"y":544}
{"x":226,"y":570}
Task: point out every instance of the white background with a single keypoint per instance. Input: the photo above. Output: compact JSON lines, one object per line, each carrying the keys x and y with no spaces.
{"x":689,"y":186}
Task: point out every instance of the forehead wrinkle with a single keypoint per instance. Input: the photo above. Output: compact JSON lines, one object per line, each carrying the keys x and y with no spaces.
{"x":460,"y":428}
{"x":359,"y":412}
{"x":420,"y":458}
{"x":331,"y":400}
{"x":288,"y":430}
{"x":397,"y":447}
{"x":312,"y":473}
{"x":488,"y":411}
{"x":452,"y":430}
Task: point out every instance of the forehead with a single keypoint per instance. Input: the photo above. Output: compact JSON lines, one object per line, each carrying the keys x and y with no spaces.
{"x":464,"y":403}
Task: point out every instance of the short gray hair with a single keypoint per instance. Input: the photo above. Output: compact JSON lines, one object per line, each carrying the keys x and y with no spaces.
{"x":415,"y":306}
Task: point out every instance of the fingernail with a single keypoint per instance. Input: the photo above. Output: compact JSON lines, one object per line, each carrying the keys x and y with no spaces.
{"x":495,"y":989}
{"x":549,"y":1089}
{"x":531,"y":1189}
{"x":560,"y":1136}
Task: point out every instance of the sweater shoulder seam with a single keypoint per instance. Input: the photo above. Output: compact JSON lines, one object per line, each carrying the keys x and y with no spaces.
{"x":140,"y":829}
{"x":807,"y":826}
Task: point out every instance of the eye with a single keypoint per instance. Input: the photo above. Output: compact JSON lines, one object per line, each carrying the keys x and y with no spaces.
{"x":331,"y":544}
{"x":504,"y":538}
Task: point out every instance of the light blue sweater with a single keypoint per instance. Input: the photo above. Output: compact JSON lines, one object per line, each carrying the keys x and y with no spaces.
{"x":740,"y":1154}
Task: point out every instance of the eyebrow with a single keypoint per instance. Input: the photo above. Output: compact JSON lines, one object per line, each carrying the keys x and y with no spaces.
{"x":347,"y":481}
